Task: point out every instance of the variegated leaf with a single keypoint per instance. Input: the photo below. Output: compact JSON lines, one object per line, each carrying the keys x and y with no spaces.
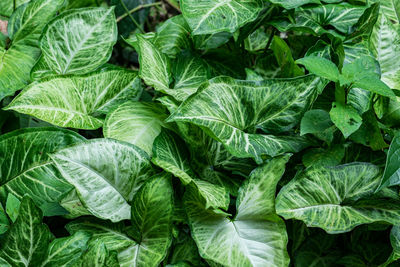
{"x":255,"y":236}
{"x":106,"y":174}
{"x":72,"y":101}
{"x":337,"y":199}
{"x":88,"y":35}
{"x":138,"y":123}
{"x":231,"y":111}
{"x":210,"y":16}
{"x":391,"y":8}
{"x":25,"y":167}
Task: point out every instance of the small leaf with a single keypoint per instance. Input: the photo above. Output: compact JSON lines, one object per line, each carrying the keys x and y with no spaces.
{"x":391,"y":176}
{"x":321,"y":67}
{"x":12,"y":207}
{"x":345,"y":118}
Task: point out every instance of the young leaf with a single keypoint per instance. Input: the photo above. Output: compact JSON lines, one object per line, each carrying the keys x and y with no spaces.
{"x":272,"y":105}
{"x":88,"y":35}
{"x":27,"y":240}
{"x":71,"y":101}
{"x":345,"y":118}
{"x":12,"y":207}
{"x":138,"y":123}
{"x":106,"y":174}
{"x":337,"y":199}
{"x":208,"y":17}
{"x":320,"y":66}
{"x":256,"y":236}
{"x":26,"y":167}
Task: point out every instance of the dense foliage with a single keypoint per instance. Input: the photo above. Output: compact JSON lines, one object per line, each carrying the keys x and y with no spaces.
{"x":199,"y":133}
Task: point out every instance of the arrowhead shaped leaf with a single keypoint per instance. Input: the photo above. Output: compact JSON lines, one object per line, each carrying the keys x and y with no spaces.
{"x":89,"y":35}
{"x":346,"y":118}
{"x":25,"y":166}
{"x":106,"y":174}
{"x":337,"y":199}
{"x":138,"y":123}
{"x":71,"y":101}
{"x":231,"y":110}
{"x":27,"y":241}
{"x":170,"y":154}
{"x":321,"y":67}
{"x":25,"y":27}
{"x":256,"y":236}
{"x":209,"y":16}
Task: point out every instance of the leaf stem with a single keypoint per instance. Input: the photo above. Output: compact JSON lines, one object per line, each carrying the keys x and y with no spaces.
{"x":130,"y":12}
{"x":174,"y":4}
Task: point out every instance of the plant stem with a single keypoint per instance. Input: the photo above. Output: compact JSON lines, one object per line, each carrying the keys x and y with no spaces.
{"x":174,"y":4}
{"x":129,"y":12}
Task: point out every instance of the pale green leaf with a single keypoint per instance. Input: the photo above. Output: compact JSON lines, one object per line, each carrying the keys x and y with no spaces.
{"x":337,"y":199}
{"x":385,"y":45}
{"x":17,"y":61}
{"x":231,"y":110}
{"x":26,"y":168}
{"x":88,"y":35}
{"x":106,"y":174}
{"x":73,"y":205}
{"x":98,"y":256}
{"x":7,"y":7}
{"x":71,"y":101}
{"x":67,"y":250}
{"x":12,"y":207}
{"x":255,"y":236}
{"x":391,"y":8}
{"x":210,"y":16}
{"x":138,"y":123}
{"x":27,"y":240}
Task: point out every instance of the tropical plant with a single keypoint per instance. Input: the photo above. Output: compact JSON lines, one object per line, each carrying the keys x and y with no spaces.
{"x":199,"y":133}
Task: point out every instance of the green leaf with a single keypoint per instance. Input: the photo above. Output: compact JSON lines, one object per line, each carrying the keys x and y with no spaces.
{"x":284,"y":58}
{"x":208,"y":17}
{"x":151,"y":223}
{"x":321,"y":67}
{"x":71,"y":101}
{"x":98,"y":256}
{"x":173,"y":36}
{"x":89,"y":35}
{"x":289,"y":4}
{"x":391,"y":175}
{"x":106,"y":174}
{"x":385,"y":45}
{"x":27,"y":240}
{"x":26,"y":167}
{"x":154,"y":65}
{"x":67,"y":250}
{"x":345,"y":118}
{"x":395,"y":241}
{"x":12,"y":207}
{"x":231,"y":110}
{"x":7,"y":7}
{"x":4,"y":223}
{"x":315,"y":121}
{"x":327,"y":157}
{"x":391,"y":9}
{"x":337,"y":199}
{"x":26,"y":26}
{"x":170,"y":154}
{"x":138,"y":123}
{"x":256,"y":236}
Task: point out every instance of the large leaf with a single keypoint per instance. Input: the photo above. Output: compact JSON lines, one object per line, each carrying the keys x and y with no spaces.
{"x":391,"y":8}
{"x":106,"y":174}
{"x":391,"y":176}
{"x":255,"y":236}
{"x":27,"y":241}
{"x":151,"y":230}
{"x":71,"y":101}
{"x":88,"y":35}
{"x":138,"y":123}
{"x":385,"y":45}
{"x":208,"y":16}
{"x":171,"y":155}
{"x":25,"y":27}
{"x":337,"y":199}
{"x":231,"y":111}
{"x":25,"y":165}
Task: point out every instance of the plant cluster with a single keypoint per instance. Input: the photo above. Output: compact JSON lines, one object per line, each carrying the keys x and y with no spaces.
{"x":199,"y":133}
